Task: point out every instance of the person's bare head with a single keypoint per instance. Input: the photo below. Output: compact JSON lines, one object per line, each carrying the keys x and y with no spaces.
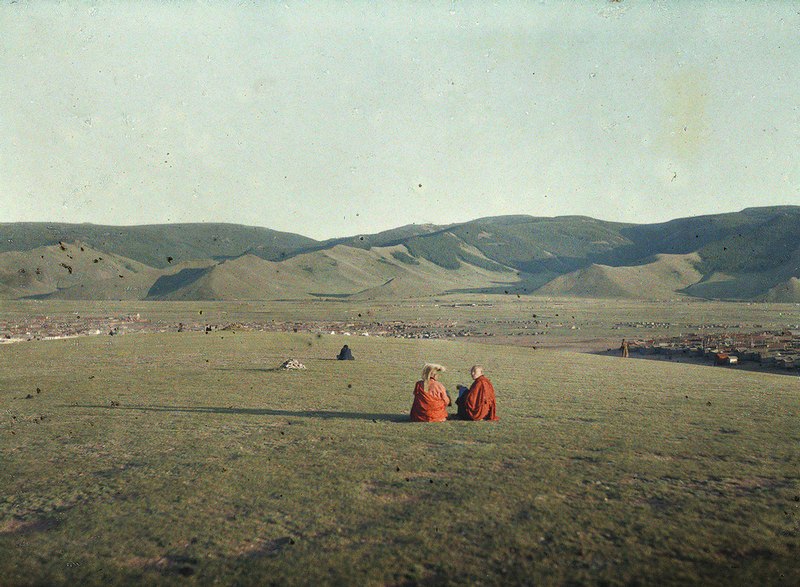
{"x":476,"y":371}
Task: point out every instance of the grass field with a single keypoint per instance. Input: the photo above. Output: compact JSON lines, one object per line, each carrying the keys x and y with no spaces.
{"x":188,"y":458}
{"x":531,"y":320}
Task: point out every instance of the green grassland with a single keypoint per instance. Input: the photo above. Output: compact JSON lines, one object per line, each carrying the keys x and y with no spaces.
{"x":531,"y":320}
{"x":188,"y":458}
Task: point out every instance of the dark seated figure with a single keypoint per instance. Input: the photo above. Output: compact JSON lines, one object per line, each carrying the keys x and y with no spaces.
{"x":477,"y":402}
{"x":345,"y":354}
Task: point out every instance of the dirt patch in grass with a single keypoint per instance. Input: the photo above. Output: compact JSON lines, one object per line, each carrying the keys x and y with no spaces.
{"x":469,"y":442}
{"x":745,"y":554}
{"x":738,"y":487}
{"x":261,"y":548}
{"x":387,"y":493}
{"x":167,"y":565}
{"x":748,"y":485}
{"x":18,"y":526}
{"x":581,"y":420}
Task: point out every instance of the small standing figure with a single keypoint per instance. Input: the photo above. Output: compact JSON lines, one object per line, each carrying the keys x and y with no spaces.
{"x":345,"y":354}
{"x":624,"y":348}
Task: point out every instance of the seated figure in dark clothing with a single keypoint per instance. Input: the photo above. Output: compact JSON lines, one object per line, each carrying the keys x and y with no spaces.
{"x":345,"y":354}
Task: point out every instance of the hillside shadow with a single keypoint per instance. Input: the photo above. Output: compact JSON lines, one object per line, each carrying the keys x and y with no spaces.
{"x":333,"y":296}
{"x":526,"y":285}
{"x":317,"y":414}
{"x":166,"y":284}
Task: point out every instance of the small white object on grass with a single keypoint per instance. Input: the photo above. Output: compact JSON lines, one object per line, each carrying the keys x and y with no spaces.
{"x":292,"y":364}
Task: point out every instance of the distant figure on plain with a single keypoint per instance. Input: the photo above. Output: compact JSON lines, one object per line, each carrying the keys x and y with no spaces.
{"x":430,"y":397}
{"x":478,"y":402}
{"x":345,"y":354}
{"x":624,"y":348}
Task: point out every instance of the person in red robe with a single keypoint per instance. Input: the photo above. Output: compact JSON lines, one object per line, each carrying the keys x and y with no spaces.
{"x":430,"y":397}
{"x":478,"y":402}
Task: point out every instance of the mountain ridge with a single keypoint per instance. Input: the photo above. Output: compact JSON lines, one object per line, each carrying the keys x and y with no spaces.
{"x":753,"y":254}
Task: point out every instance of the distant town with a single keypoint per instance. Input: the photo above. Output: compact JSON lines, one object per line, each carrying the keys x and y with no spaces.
{"x":766,"y":349}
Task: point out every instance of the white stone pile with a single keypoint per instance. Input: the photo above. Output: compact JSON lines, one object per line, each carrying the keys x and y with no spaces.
{"x":292,"y":364}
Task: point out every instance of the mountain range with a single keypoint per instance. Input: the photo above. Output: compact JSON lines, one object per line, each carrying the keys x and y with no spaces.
{"x":749,"y":255}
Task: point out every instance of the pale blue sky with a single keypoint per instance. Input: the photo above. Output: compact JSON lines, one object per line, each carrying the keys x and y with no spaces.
{"x":331,"y":119}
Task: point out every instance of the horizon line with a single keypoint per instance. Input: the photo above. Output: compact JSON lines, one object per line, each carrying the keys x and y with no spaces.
{"x":445,"y":225}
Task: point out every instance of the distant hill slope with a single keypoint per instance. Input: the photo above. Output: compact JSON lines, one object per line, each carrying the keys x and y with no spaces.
{"x":660,"y":279}
{"x":524,"y":243}
{"x":387,"y":238}
{"x":786,"y":292}
{"x":158,"y":245}
{"x":245,"y":278}
{"x":73,"y":271}
{"x":752,"y":254}
{"x":341,"y":271}
{"x":686,"y":235}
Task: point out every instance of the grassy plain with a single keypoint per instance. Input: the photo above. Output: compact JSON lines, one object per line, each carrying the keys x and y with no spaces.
{"x":520,"y":320}
{"x":188,"y":458}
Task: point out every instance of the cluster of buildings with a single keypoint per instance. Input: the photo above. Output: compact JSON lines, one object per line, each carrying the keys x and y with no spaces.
{"x":640,"y":324}
{"x":779,"y":350}
{"x":667,"y":325}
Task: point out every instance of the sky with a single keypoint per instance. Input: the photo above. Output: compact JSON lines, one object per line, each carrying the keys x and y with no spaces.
{"x":335,"y":119}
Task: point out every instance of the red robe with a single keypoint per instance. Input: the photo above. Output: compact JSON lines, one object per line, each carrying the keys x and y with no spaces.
{"x":479,"y":402}
{"x":430,"y":406}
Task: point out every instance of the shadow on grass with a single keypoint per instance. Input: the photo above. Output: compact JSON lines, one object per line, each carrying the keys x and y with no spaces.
{"x":265,"y":369}
{"x":261,"y":369}
{"x":319,"y":414}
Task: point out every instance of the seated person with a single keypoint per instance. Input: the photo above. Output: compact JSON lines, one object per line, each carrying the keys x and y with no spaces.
{"x":477,"y":402}
{"x":430,"y":397}
{"x":345,"y":354}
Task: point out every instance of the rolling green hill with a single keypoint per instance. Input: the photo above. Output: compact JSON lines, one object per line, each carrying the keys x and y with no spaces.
{"x":339,"y":271}
{"x":244,"y":278}
{"x":740,"y":255}
{"x":752,"y":254}
{"x":524,"y":243}
{"x":387,"y":238}
{"x":158,"y":245}
{"x":73,"y":271}
{"x":660,"y":279}
{"x":786,"y":292}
